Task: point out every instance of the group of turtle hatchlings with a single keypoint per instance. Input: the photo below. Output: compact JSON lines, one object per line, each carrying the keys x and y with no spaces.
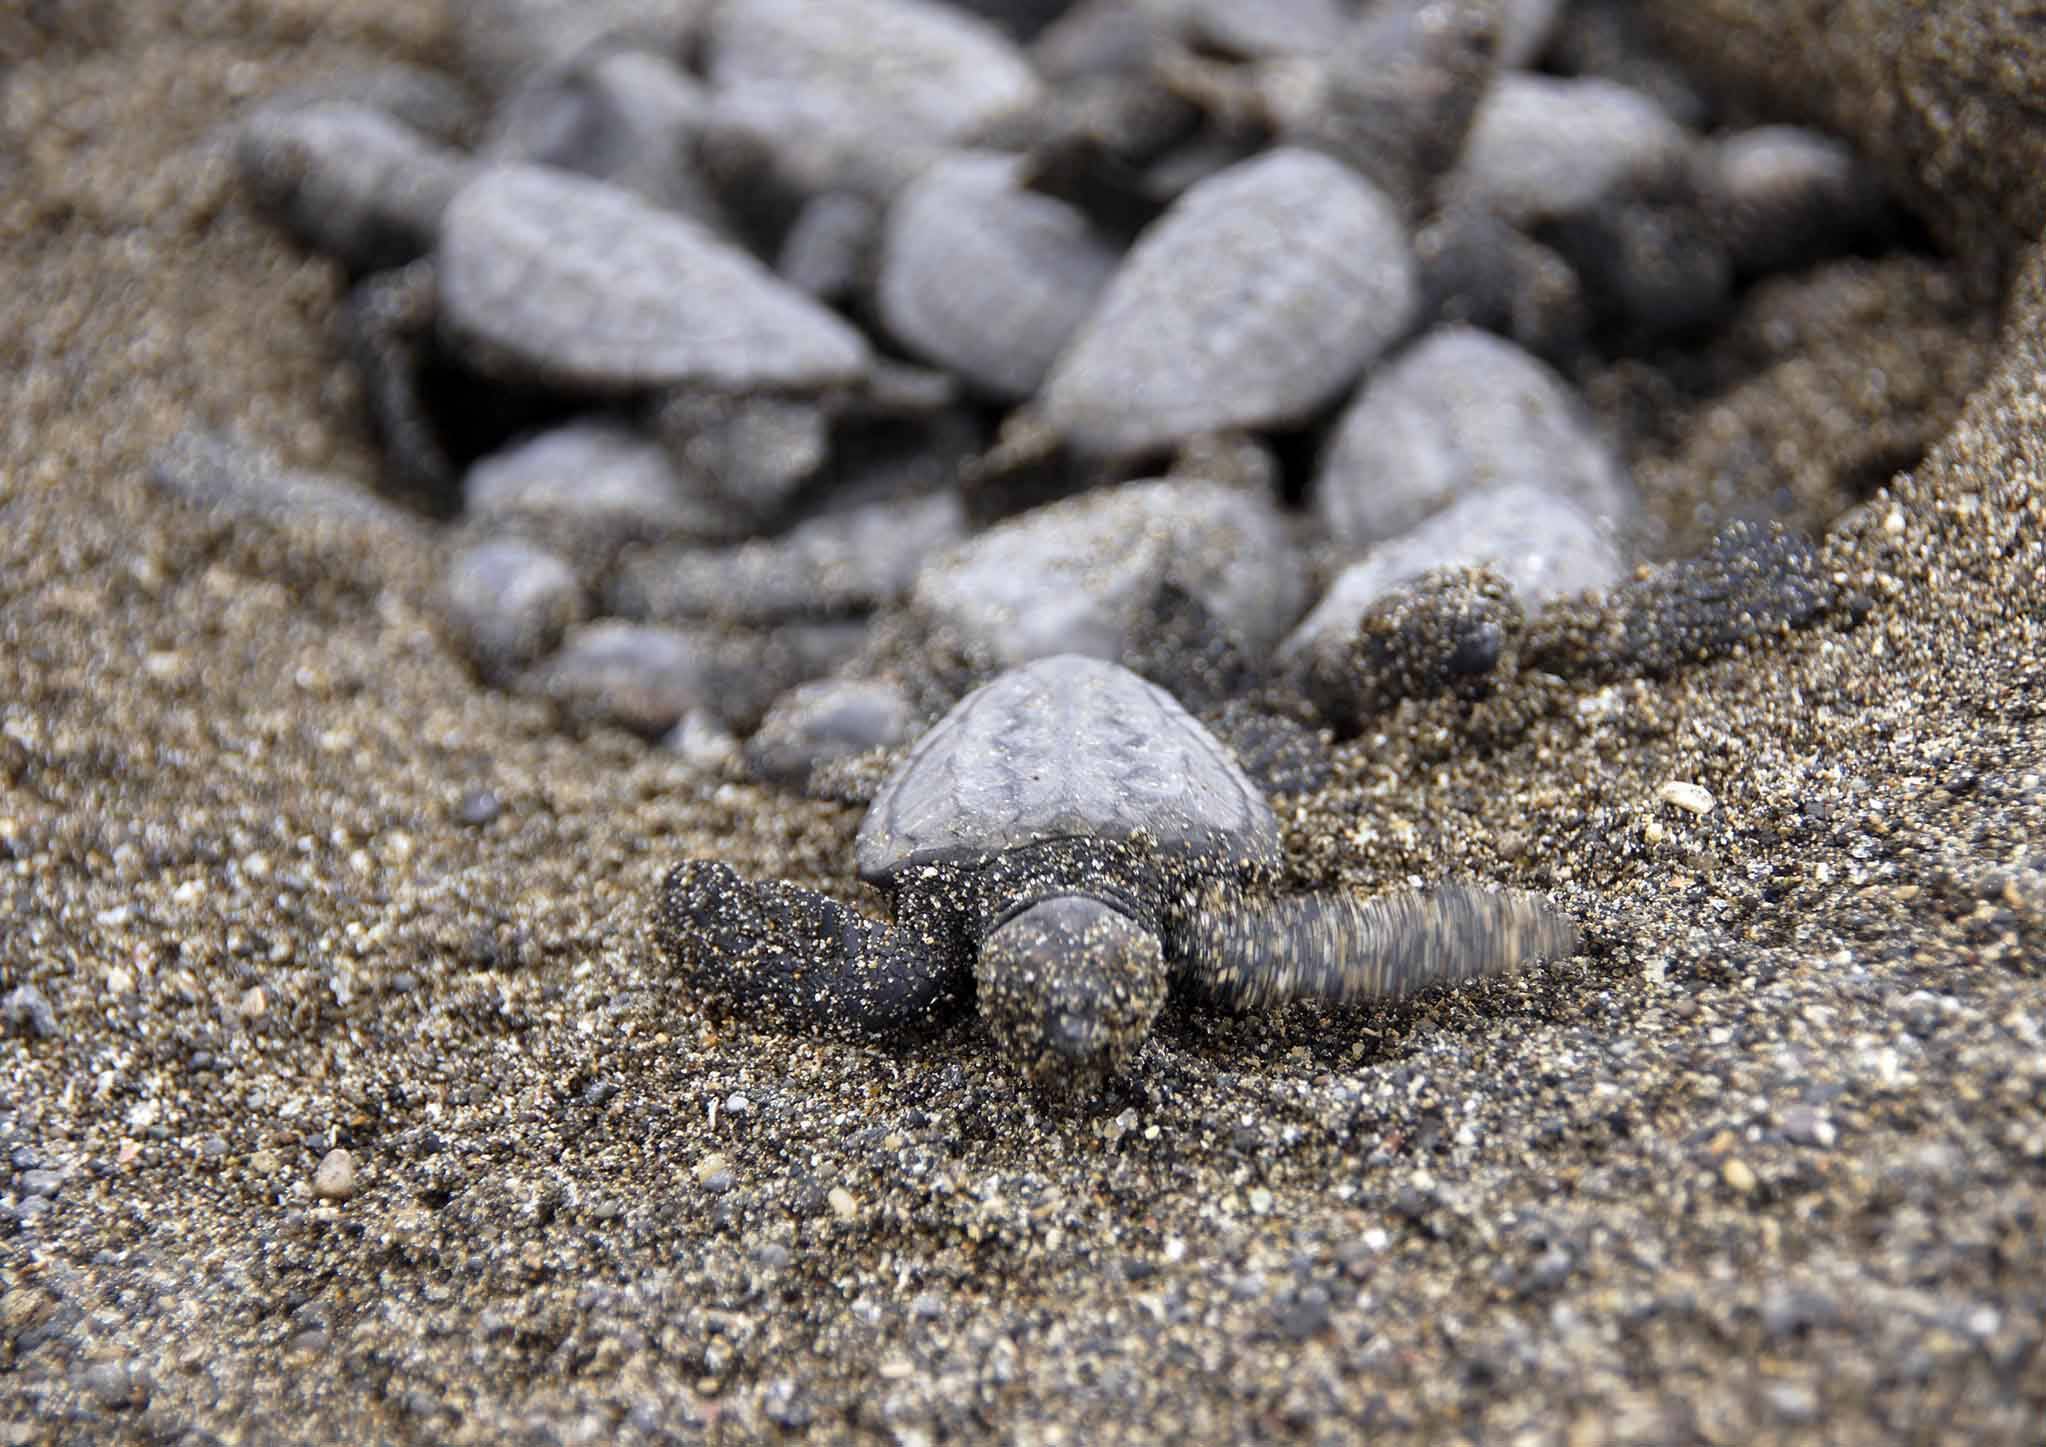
{"x":642,"y":323}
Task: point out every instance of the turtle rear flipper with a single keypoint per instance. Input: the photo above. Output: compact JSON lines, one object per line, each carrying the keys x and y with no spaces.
{"x":785,"y":954}
{"x":1342,"y":949}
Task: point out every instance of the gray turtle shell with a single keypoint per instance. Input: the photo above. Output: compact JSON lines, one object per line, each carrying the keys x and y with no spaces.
{"x":1262,"y":293}
{"x":986,"y":277}
{"x":1062,"y":748}
{"x":573,"y":281}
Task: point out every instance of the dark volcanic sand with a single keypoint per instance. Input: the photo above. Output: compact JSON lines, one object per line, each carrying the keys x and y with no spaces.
{"x":1766,"y":1161}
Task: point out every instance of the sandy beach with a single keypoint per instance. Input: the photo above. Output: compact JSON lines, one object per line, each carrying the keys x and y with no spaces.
{"x":1764,"y":1162}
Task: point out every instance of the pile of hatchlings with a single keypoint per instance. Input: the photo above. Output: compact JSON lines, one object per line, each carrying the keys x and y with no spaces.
{"x":782,"y":370}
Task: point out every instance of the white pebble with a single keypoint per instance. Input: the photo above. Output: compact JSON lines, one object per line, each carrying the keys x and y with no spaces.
{"x":1689,"y":797}
{"x":334,"y":1179}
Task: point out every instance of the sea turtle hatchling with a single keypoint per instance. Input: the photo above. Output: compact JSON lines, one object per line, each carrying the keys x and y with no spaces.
{"x":1072,"y":840}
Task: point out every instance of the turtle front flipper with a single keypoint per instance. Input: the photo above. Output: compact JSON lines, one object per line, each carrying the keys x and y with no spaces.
{"x":784,"y":954}
{"x":1342,"y":949}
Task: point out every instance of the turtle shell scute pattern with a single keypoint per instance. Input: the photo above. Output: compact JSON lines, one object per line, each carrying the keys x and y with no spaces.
{"x":573,"y":282}
{"x":1065,"y":748}
{"x":1260,"y":295}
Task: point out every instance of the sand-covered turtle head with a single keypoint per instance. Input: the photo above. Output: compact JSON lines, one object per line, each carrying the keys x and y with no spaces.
{"x":1068,"y":988}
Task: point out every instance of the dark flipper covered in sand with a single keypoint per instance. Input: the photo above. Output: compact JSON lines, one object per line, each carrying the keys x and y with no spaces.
{"x":778,"y":952}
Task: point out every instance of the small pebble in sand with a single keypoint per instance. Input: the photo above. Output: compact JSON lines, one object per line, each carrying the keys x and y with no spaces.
{"x":1738,"y":1174}
{"x":1793,"y":1401}
{"x":1806,"y":1126}
{"x":1691,"y":798}
{"x":334,"y":1180}
{"x":27,"y":1009}
{"x":41,"y":1183}
{"x":115,"y":1384}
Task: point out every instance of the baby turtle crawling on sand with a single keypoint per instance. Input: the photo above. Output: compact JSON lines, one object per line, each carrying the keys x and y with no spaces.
{"x":1074,"y":839}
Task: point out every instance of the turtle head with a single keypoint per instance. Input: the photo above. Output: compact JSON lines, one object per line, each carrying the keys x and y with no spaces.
{"x":1069,"y":987}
